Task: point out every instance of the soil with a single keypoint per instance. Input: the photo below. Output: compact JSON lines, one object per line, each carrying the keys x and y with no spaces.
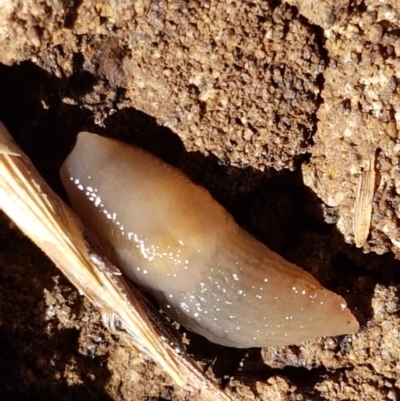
{"x":252,"y":101}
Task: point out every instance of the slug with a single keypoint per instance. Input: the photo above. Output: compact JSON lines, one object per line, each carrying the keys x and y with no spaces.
{"x":171,"y":237}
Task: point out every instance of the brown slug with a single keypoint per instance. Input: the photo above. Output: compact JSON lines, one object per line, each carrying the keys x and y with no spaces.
{"x":170,"y":236}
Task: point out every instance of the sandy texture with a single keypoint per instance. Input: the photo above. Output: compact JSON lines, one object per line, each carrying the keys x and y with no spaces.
{"x":257,"y":85}
{"x":230,"y":79}
{"x":359,"y":123}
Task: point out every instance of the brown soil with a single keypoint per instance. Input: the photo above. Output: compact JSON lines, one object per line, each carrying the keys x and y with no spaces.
{"x":250,"y":93}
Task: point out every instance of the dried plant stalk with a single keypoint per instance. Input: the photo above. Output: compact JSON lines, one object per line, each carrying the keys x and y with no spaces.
{"x":363,"y":203}
{"x":28,"y":200}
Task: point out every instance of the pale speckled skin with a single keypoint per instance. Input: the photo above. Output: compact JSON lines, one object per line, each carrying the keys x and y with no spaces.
{"x":170,"y":236}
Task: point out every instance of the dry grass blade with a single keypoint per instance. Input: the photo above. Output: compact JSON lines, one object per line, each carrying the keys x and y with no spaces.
{"x":363,"y":203}
{"x":27,"y":199}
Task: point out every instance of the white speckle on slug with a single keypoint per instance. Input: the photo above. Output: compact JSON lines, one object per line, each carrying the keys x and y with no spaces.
{"x":154,"y":217}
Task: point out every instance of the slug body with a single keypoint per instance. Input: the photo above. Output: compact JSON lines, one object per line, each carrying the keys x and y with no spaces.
{"x":170,"y":236}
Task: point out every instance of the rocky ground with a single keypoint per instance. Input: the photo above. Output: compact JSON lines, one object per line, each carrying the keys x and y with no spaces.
{"x":287,"y":112}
